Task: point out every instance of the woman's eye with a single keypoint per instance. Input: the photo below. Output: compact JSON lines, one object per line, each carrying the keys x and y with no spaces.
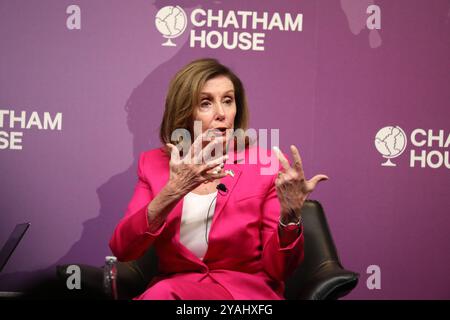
{"x":205,"y":104}
{"x":228,"y":101}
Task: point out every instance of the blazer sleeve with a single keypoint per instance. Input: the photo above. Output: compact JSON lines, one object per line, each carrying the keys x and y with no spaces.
{"x":278,"y":262}
{"x":131,"y":237}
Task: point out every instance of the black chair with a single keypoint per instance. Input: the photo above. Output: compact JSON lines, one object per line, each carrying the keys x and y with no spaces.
{"x":320,"y":277}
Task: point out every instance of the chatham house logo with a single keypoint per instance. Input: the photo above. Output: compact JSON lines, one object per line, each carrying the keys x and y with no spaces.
{"x":171,"y":21}
{"x":390,"y":142}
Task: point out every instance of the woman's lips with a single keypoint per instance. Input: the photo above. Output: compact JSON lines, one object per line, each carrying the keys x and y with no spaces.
{"x":219,"y":132}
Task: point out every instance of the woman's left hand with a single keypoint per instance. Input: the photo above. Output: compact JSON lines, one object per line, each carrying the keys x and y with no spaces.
{"x":291,"y":185}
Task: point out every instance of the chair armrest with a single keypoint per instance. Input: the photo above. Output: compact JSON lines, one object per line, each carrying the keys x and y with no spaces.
{"x":329,"y":282}
{"x":96,"y":282}
{"x":321,"y":275}
{"x":130,"y":280}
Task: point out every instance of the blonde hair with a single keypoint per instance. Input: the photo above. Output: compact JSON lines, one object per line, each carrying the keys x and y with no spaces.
{"x":184,"y":94}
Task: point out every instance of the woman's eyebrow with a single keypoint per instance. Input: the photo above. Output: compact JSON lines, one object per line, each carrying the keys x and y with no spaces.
{"x":209,"y":94}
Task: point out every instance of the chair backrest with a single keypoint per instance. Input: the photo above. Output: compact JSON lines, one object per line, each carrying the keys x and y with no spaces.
{"x":321,"y":275}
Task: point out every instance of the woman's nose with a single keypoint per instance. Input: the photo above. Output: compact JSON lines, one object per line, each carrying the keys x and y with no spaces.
{"x":220,"y":112}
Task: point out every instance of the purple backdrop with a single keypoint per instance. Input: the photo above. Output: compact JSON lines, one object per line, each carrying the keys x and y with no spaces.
{"x":329,"y":88}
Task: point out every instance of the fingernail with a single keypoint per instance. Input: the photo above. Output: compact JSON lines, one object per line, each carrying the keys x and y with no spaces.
{"x":276,"y":149}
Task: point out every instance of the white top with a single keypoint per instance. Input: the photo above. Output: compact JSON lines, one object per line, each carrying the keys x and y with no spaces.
{"x":193,"y":221}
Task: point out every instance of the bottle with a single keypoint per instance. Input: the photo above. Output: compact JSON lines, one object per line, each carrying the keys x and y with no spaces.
{"x":110,"y":277}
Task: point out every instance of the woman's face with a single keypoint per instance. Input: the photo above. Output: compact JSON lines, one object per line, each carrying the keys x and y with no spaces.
{"x":217,"y":107}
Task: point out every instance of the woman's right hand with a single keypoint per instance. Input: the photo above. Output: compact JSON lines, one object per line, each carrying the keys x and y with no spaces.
{"x":191,"y":170}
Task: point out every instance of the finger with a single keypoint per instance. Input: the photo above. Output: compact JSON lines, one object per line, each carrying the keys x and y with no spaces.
{"x":279,"y":176}
{"x":219,"y":175}
{"x":197,"y":145}
{"x":318,"y":178}
{"x":213,"y":176}
{"x":284,"y":162}
{"x":298,"y":165}
{"x":279,"y":181}
{"x":205,"y":154}
{"x":215,"y":170}
{"x":215,"y":162}
{"x":174,"y":152}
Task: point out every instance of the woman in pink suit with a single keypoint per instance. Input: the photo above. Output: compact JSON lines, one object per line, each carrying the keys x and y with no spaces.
{"x":221,"y":228}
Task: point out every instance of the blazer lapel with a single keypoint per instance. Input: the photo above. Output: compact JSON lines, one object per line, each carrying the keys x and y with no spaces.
{"x":222,"y":197}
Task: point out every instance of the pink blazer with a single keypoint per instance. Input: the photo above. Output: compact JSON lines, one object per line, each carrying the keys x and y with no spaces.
{"x":244,"y":253}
